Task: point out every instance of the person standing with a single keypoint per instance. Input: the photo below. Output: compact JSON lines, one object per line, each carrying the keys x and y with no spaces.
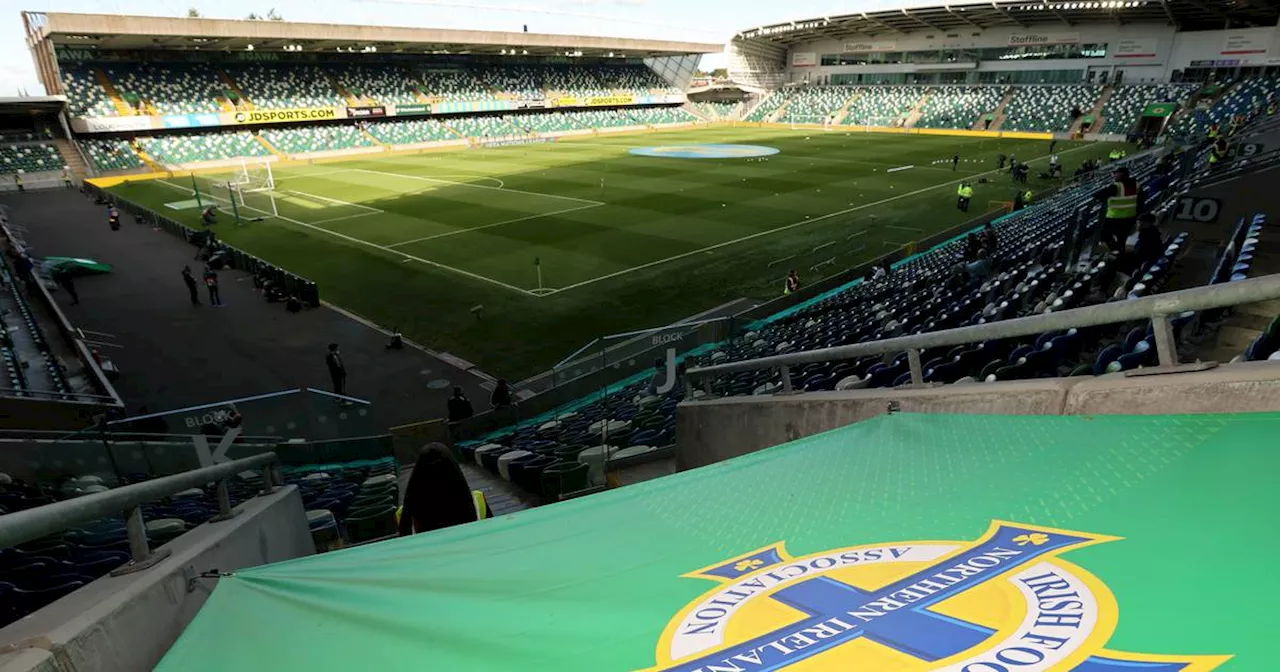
{"x":337,"y":369}
{"x":190,"y":279}
{"x":501,"y":396}
{"x":62,"y":276}
{"x":1019,"y":201}
{"x":793,"y":283}
{"x":1000,"y":161}
{"x":1052,"y":143}
{"x":437,"y":495}
{"x":459,"y":406}
{"x":955,"y":161}
{"x":17,"y":181}
{"x":1122,"y":199}
{"x":964,"y":194}
{"x":211,"y":284}
{"x":66,"y":177}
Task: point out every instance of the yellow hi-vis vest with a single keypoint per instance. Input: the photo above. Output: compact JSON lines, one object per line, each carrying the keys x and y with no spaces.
{"x":477,"y":499}
{"x":1213,"y":131}
{"x":960,"y":191}
{"x":1026,"y":197}
{"x":1124,"y":206}
{"x":966,"y":192}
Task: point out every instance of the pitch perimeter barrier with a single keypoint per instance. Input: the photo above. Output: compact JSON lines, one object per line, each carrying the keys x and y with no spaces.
{"x":295,"y":285}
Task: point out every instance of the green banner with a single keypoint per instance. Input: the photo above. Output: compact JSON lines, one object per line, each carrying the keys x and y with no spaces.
{"x":907,"y":542}
{"x":413,"y":109}
{"x":1159,"y":109}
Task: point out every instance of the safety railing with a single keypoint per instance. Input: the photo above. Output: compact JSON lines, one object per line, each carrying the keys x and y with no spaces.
{"x":30,"y":524}
{"x":1158,"y":308}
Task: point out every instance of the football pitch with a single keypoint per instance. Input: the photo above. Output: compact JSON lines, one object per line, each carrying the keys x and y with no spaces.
{"x":566,"y":241}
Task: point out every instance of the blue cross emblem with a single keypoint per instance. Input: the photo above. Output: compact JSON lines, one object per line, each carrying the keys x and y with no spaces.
{"x":898,"y":615}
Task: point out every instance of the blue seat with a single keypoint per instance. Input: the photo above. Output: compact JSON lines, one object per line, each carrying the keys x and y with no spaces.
{"x":1107,"y":355}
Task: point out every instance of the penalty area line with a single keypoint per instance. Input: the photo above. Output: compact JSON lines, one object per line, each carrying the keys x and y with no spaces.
{"x":405,"y":257}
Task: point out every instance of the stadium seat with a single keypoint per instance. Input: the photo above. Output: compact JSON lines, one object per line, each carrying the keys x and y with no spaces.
{"x":374,"y":523}
{"x":1048,"y":107}
{"x":563,"y":478}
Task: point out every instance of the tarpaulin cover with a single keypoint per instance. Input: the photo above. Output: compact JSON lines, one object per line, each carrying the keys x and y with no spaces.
{"x":959,"y":542}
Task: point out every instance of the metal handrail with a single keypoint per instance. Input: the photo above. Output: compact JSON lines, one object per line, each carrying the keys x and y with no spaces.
{"x":1158,"y":308}
{"x":31,"y":524}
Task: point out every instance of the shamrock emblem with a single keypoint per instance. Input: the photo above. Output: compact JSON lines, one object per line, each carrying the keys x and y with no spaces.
{"x":1035,"y":539}
{"x":744,"y":565}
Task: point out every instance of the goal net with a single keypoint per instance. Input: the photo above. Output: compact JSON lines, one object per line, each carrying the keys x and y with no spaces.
{"x":253,"y":188}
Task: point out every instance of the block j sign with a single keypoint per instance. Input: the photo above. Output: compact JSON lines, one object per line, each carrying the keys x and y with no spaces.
{"x":1159,"y":109}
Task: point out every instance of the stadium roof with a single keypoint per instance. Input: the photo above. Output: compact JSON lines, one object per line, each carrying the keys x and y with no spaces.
{"x":914,"y":17}
{"x":113,"y":31}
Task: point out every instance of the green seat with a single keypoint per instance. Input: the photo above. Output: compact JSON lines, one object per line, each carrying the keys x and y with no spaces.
{"x":369,"y":524}
{"x":563,"y":478}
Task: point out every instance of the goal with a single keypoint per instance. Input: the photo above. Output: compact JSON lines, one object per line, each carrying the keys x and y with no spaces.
{"x":253,"y":187}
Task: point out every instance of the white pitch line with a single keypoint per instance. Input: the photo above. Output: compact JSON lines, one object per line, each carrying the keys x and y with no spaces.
{"x":526,"y":218}
{"x":317,"y":174}
{"x":339,"y":219}
{"x":334,"y":200}
{"x":477,"y":186}
{"x":791,"y":226}
{"x":406,"y":257}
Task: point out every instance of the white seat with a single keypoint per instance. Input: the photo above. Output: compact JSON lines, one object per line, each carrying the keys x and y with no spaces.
{"x":315,"y":515}
{"x":5,"y":479}
{"x":166,"y":526}
{"x":381,"y":479}
{"x":594,"y":457}
{"x":486,"y":448}
{"x":634,"y":451}
{"x":189,"y":492}
{"x":504,"y":462}
{"x":317,"y":476}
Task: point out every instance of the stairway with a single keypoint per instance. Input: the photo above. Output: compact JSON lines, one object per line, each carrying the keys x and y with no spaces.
{"x":844,"y":110}
{"x":342,"y":90}
{"x":154,"y":165}
{"x":234,"y":88}
{"x":453,"y":130}
{"x":999,"y":111}
{"x":1245,"y":322}
{"x":774,"y":116}
{"x":270,"y":147}
{"x":689,"y":107}
{"x":71,"y":154}
{"x":372,"y":138}
{"x":1095,"y":112}
{"x":917,"y":110}
{"x":114,"y":94}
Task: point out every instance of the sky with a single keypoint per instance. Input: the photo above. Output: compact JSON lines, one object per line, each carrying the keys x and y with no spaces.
{"x":713,"y":21}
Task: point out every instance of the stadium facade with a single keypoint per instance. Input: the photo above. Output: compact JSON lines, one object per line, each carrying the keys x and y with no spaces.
{"x":1014,"y":41}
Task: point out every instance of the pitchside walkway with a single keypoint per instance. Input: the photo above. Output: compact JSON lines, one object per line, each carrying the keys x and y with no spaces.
{"x":176,"y":355}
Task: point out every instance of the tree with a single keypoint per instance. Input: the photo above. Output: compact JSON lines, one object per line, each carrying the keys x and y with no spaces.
{"x":272,"y":16}
{"x":193,"y":13}
{"x":253,"y":17}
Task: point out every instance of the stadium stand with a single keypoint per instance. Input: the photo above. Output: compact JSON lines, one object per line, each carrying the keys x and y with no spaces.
{"x":347,"y":503}
{"x":716,"y":111}
{"x":85,"y":95}
{"x":1048,"y":107}
{"x":216,"y":146}
{"x":481,"y":127}
{"x":768,"y":106}
{"x":883,"y":105}
{"x":1243,"y":97}
{"x":169,"y":89}
{"x":373,"y":84}
{"x":815,"y":105}
{"x":1121,"y":111}
{"x":656,"y":116}
{"x":111,"y":154}
{"x":30,"y":157}
{"x":453,"y":84}
{"x":404,"y":132}
{"x":958,"y":106}
{"x":303,"y":139}
{"x":284,"y":86}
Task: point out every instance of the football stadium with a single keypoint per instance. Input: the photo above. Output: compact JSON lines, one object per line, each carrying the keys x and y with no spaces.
{"x":912,"y":336}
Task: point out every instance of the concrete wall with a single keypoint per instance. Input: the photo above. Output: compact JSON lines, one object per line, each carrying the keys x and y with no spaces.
{"x":127,"y":623}
{"x":716,"y":430}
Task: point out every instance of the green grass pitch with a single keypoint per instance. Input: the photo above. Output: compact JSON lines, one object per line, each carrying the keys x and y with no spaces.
{"x":414,"y":241}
